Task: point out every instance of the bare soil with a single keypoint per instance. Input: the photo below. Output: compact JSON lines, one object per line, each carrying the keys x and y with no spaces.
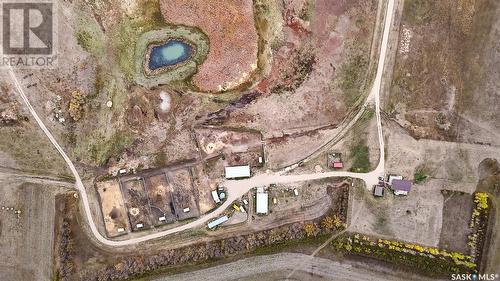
{"x":160,"y":199}
{"x":113,"y":207}
{"x":416,"y":218}
{"x":302,"y":89}
{"x":183,"y":196}
{"x":137,"y":203}
{"x":457,"y":213}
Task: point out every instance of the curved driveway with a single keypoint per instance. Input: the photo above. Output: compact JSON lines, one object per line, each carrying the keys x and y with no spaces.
{"x":235,"y":188}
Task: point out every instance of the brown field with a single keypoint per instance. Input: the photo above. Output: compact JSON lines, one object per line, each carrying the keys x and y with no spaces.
{"x":204,"y":185}
{"x":233,"y":39}
{"x":113,"y":208}
{"x":457,"y":211}
{"x":183,"y":196}
{"x":318,"y":70}
{"x":160,"y":198}
{"x":445,"y":83}
{"x":136,"y":201}
{"x":213,"y":141}
{"x":244,"y":158}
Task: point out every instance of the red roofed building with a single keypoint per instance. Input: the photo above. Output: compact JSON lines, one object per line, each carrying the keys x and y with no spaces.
{"x":338,"y":165}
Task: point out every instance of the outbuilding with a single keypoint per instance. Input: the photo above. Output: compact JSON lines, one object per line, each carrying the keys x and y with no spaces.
{"x":217,"y":222}
{"x":401,"y":187}
{"x":215,"y":196}
{"x":378,"y":191}
{"x":262,"y":202}
{"x":392,"y":178}
{"x":237,"y":172}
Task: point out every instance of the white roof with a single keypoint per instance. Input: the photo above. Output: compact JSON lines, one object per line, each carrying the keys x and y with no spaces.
{"x":217,"y":222}
{"x":262,"y":202}
{"x":215,"y":196}
{"x":237,"y":172}
{"x":391,"y":178}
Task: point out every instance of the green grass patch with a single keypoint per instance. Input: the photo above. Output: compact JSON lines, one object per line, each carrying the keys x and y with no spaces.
{"x":367,"y":115}
{"x":361,"y":158}
{"x":104,"y":149}
{"x":419,"y":12}
{"x":125,"y":35}
{"x":420,"y":175}
{"x":351,"y":78}
{"x":89,"y":36}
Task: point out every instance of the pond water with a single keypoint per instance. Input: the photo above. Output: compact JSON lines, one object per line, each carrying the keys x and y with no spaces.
{"x":169,"y":54}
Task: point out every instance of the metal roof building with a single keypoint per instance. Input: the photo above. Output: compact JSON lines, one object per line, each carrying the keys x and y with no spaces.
{"x":378,"y":191}
{"x":237,"y":172}
{"x":218,"y":221}
{"x":401,"y":187}
{"x":262,"y":202}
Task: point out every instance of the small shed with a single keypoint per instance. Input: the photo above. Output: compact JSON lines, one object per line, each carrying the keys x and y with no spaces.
{"x":378,"y":191}
{"x":401,"y":187}
{"x":215,"y":196}
{"x":237,"y":172}
{"x":335,"y":160}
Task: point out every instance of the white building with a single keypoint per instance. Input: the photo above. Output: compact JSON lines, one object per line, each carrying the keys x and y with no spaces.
{"x":218,"y":221}
{"x":237,"y":172}
{"x":391,"y":178}
{"x":262,"y":201}
{"x":215,"y":196}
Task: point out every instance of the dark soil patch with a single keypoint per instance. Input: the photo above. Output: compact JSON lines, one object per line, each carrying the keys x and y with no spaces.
{"x":457,"y":212}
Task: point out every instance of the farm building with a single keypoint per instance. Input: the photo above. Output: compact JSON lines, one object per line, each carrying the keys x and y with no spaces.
{"x":217,"y":222}
{"x":378,"y":191}
{"x":238,"y":172}
{"x":392,"y":178}
{"x":335,"y":160}
{"x":215,"y":196}
{"x":262,"y":201}
{"x":401,"y":187}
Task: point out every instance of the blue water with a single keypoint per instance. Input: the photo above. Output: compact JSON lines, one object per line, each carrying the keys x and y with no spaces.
{"x":169,"y":54}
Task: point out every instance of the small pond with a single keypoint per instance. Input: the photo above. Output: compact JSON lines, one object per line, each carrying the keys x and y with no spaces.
{"x":169,"y":54}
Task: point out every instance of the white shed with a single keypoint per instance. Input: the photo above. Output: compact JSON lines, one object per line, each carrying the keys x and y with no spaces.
{"x":262,"y":203}
{"x":237,"y":172}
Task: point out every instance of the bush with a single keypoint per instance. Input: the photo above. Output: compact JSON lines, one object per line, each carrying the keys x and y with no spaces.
{"x":361,"y":158}
{"x":420,"y":175}
{"x":76,"y":105}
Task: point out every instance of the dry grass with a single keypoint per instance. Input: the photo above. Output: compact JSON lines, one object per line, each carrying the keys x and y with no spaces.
{"x":233,"y":39}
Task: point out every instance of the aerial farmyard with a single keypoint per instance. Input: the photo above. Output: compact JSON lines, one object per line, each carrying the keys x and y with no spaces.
{"x":249,"y":140}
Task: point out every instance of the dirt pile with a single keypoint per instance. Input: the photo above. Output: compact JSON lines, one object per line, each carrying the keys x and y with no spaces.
{"x":10,"y":116}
